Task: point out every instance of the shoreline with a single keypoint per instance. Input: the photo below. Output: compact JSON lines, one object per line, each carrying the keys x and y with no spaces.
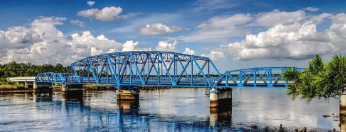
{"x":86,"y":88}
{"x":16,"y":91}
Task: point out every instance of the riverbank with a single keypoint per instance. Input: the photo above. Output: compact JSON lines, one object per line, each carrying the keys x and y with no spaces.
{"x":17,"y":91}
{"x":5,"y":88}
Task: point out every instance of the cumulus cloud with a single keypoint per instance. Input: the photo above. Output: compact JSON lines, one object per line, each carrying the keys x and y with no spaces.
{"x":90,"y":3}
{"x":130,"y":46}
{"x":220,"y":29}
{"x":77,"y":22}
{"x":189,"y":51}
{"x":106,"y":14}
{"x":297,"y":40}
{"x":157,"y":28}
{"x":41,"y":42}
{"x":311,"y":9}
{"x":166,"y":46}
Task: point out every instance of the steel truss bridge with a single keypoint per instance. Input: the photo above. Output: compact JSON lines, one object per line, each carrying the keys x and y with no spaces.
{"x":161,"y":69}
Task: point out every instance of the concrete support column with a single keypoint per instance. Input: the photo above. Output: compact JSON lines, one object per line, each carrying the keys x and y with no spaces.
{"x":71,"y":87}
{"x":128,"y":94}
{"x":42,"y":86}
{"x":343,"y":99}
{"x":25,"y":84}
{"x":220,"y":98}
{"x":34,"y":85}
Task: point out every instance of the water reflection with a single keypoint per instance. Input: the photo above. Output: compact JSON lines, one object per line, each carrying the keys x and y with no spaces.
{"x":72,"y":96}
{"x":128,"y":104}
{"x":163,"y":110}
{"x":39,"y":96}
{"x":341,"y":114}
{"x":220,"y":115}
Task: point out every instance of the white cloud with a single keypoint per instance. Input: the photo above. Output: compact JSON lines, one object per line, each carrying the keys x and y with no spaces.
{"x":130,"y":46}
{"x":319,"y":18}
{"x":297,"y":40}
{"x":166,"y":46}
{"x":157,"y":28}
{"x":311,"y":9}
{"x":77,"y":22}
{"x":269,"y":19}
{"x":90,"y":3}
{"x":219,"y":29}
{"x":106,"y":14}
{"x":213,"y":4}
{"x":152,"y":18}
{"x":189,"y":51}
{"x":41,"y":42}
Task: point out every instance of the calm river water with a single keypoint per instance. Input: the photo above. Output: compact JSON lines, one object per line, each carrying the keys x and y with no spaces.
{"x":164,"y":110}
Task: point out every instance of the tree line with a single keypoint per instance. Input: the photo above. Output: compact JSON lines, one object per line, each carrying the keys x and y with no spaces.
{"x":15,"y":69}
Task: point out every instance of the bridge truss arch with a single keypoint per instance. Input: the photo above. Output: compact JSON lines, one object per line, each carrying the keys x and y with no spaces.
{"x":140,"y":68}
{"x":162,"y":69}
{"x":270,"y":77}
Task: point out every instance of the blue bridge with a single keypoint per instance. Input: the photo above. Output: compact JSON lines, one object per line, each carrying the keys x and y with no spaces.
{"x":162,"y":69}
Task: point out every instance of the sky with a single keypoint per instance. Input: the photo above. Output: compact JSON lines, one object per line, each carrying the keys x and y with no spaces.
{"x":235,"y":34}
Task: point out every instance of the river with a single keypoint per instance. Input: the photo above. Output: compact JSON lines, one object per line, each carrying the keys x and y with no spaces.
{"x":164,"y":110}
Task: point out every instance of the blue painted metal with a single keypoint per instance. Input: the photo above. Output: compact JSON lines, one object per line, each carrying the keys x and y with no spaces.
{"x":138,"y":68}
{"x":269,"y":77}
{"x":158,"y":68}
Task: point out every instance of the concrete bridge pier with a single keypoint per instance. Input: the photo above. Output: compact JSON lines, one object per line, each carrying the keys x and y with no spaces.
{"x":220,"y":98}
{"x":71,"y":87}
{"x":42,"y":86}
{"x":130,"y":94}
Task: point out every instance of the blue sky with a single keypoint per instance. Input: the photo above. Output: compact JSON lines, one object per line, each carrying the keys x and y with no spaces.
{"x":234,"y":33}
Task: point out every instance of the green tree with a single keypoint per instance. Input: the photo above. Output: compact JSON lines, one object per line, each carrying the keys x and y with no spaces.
{"x":320,"y":80}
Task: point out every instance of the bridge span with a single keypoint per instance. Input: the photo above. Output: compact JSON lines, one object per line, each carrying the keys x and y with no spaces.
{"x":129,"y":70}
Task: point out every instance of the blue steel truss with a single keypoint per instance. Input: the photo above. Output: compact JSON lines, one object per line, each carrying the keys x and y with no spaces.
{"x":139,"y":68}
{"x":254,"y":77}
{"x":52,"y":77}
{"x":158,"y":68}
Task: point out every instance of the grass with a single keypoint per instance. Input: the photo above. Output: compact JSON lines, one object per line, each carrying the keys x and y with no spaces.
{"x":4,"y":85}
{"x":98,"y":86}
{"x":11,"y":86}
